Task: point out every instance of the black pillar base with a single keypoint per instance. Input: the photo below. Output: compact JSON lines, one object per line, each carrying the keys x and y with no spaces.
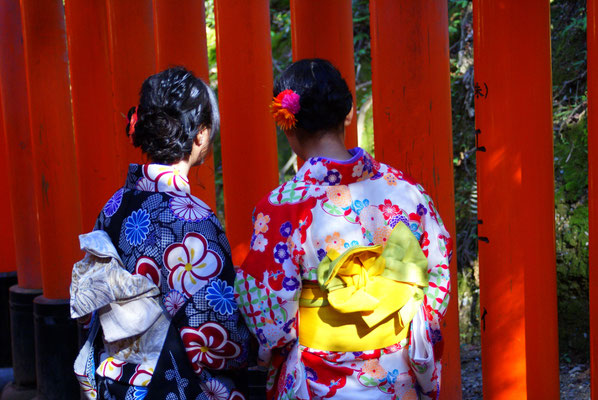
{"x":22,"y":344}
{"x":13,"y":392}
{"x":7,"y":279}
{"x":56,"y":347}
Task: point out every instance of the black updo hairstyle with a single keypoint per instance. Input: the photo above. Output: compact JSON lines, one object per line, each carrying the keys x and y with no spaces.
{"x":173,"y":106}
{"x":325,"y":98}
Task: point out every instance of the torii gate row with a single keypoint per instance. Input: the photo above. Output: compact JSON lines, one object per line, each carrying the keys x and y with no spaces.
{"x":68,"y":73}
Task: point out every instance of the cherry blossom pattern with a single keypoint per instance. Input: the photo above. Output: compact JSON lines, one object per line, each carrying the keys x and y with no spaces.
{"x":137,"y":227}
{"x":188,"y":208}
{"x":208,"y":346}
{"x":191,"y":264}
{"x":174,"y":301}
{"x":333,"y":177}
{"x":281,"y":252}
{"x":259,"y":243}
{"x":334,"y":241}
{"x":318,"y":171}
{"x":89,"y":391}
{"x":141,"y":377}
{"x":388,"y":209}
{"x":214,"y":390}
{"x":261,"y":223}
{"x":113,"y":204}
{"x":357,"y":170}
{"x":148,"y":267}
{"x":374,"y":369}
{"x":286,"y":229}
{"x":166,"y":178}
{"x":391,"y":179}
{"x":111,"y":368}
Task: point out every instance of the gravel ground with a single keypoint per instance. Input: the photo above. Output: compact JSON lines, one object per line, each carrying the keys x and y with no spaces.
{"x":575,"y":378}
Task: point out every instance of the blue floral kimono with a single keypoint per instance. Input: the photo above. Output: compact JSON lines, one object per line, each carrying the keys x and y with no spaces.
{"x":182,"y":337}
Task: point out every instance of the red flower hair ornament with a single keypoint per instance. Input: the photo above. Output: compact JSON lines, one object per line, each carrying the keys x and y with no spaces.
{"x":284,"y":107}
{"x":132,"y":122}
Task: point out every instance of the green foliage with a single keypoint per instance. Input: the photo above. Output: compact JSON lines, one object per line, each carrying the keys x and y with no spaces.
{"x":571,"y":177}
{"x":571,"y":212}
{"x":280,"y":32}
{"x":571,"y":163}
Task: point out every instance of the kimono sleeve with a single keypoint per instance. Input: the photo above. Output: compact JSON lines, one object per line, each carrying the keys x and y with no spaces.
{"x":268,"y":284}
{"x":437,"y":246}
{"x":425,"y":344}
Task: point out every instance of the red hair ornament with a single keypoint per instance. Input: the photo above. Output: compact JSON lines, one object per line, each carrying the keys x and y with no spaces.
{"x":284,"y":107}
{"x":132,"y":123}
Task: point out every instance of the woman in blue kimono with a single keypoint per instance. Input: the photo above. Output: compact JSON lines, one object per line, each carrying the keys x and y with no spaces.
{"x":158,"y":275}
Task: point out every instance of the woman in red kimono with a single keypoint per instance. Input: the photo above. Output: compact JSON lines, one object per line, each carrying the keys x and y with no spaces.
{"x":347,"y":278}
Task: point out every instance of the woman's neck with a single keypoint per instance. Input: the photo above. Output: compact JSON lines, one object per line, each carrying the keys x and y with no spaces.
{"x":329,"y":146}
{"x":183,"y":166}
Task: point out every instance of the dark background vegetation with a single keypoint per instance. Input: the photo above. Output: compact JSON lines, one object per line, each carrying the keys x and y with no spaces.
{"x":568,"y":21}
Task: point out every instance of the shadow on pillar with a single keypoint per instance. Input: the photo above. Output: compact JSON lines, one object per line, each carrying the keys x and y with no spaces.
{"x":56,"y":347}
{"x":22,"y":344}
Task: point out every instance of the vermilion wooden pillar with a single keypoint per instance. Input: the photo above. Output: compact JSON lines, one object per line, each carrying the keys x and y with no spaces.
{"x":7,"y":243}
{"x":516,"y":199}
{"x":133,"y":59}
{"x":412,"y":122}
{"x":56,"y":180}
{"x":19,"y":187}
{"x":592,"y":15}
{"x":56,"y":184}
{"x":249,"y":155}
{"x":20,"y":182}
{"x":181,"y":40}
{"x":324,"y":29}
{"x":91,"y":81}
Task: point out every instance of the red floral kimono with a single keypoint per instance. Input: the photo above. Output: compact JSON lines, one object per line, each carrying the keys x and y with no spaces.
{"x":332,"y":207}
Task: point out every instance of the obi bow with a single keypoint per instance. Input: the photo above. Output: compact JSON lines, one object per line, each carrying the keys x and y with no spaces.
{"x":377,"y":289}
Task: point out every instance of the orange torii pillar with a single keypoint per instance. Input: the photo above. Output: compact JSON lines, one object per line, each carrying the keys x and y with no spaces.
{"x":132,"y":56}
{"x":514,"y":135}
{"x":91,"y":82}
{"x":8,"y":276}
{"x":56,"y":185}
{"x":20,"y":186}
{"x":249,"y":154}
{"x":592,"y":15}
{"x":324,"y":29}
{"x":181,"y":40}
{"x":412,"y":123}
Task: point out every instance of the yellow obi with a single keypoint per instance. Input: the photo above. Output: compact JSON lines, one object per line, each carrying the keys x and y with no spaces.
{"x":366,"y":297}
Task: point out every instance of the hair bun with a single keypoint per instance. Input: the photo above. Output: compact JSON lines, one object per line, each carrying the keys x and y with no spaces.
{"x":173,"y":106}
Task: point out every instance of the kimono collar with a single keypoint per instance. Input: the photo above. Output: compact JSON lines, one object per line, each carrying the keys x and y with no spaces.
{"x":330,"y":172}
{"x":157,"y":178}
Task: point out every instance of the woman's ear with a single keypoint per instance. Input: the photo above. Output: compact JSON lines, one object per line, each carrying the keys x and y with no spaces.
{"x":291,"y":135}
{"x":201,"y":146}
{"x":203,"y":136}
{"x":349,"y":116}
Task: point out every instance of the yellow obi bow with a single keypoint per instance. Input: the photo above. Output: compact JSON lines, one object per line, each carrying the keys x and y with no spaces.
{"x":366,"y":297}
